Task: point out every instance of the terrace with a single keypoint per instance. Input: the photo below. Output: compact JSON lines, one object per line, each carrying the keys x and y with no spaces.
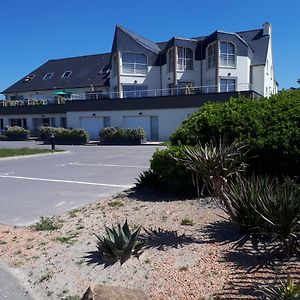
{"x":134,"y":93}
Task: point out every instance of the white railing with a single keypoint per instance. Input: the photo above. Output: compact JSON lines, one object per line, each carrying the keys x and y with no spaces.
{"x":187,"y":90}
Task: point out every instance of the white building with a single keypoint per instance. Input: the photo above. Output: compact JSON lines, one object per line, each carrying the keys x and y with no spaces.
{"x":219,"y":65}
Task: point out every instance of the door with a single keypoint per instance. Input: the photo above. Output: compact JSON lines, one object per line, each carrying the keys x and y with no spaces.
{"x":139,"y":122}
{"x":92,"y":125}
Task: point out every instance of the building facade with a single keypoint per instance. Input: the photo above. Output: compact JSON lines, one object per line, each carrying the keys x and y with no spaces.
{"x":136,"y":67}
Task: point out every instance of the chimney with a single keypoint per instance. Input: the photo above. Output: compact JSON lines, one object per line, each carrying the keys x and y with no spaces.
{"x":267,"y":28}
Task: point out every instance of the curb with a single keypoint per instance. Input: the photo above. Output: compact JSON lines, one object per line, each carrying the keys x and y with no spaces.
{"x":33,"y":155}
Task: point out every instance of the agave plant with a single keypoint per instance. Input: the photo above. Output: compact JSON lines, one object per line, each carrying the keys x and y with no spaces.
{"x":120,"y":242}
{"x":214,"y":163}
{"x":148,"y":179}
{"x":287,"y":290}
{"x":269,"y":207}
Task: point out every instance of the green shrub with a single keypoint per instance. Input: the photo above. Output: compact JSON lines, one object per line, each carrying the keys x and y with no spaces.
{"x":120,"y":243}
{"x":115,"y":135}
{"x":271,"y":127}
{"x":173,"y":173}
{"x":47,"y":224}
{"x":16,"y":133}
{"x":64,"y":135}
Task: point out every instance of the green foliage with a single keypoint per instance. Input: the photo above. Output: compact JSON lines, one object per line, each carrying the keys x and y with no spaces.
{"x":64,"y":135}
{"x":165,"y":164}
{"x":149,"y":179}
{"x":271,"y":127}
{"x":115,"y":135}
{"x":187,"y":222}
{"x":287,"y":290}
{"x":214,"y":163}
{"x":120,"y":243}
{"x":266,"y":206}
{"x":47,"y":224}
{"x":16,"y":133}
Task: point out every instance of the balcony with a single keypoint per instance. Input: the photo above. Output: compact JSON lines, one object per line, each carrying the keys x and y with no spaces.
{"x":159,"y":93}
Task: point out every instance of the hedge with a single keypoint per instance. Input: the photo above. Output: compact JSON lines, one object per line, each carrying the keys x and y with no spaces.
{"x":16,"y":133}
{"x":115,"y":135}
{"x":64,"y":136}
{"x":271,"y":127}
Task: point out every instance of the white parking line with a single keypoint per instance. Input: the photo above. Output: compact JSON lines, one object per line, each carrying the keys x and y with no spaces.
{"x":108,"y":165}
{"x":65,"y":181}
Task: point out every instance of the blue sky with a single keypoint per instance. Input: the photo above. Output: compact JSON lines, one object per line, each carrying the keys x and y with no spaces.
{"x":34,"y":31}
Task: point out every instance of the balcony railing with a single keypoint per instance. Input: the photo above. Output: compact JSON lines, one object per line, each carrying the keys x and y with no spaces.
{"x":186,"y":90}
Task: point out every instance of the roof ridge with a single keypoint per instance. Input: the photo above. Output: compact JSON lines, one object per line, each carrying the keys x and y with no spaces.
{"x":80,"y":56}
{"x":249,"y":30}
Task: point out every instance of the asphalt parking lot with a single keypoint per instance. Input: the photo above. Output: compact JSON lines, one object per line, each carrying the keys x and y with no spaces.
{"x":38,"y":186}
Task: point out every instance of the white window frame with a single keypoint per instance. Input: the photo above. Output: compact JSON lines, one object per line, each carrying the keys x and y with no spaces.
{"x":48,"y":76}
{"x":66,"y":76}
{"x":185,"y":60}
{"x":227,"y":56}
{"x":136,"y":70}
{"x":211,"y":57}
{"x":227,"y":85}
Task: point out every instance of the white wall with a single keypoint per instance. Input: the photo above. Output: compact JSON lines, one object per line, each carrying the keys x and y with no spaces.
{"x":168,"y":119}
{"x":258,"y":79}
{"x":241,"y":73}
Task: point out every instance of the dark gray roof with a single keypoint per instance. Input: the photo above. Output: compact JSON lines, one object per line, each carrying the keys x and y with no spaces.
{"x":85,"y":71}
{"x":259,"y":44}
{"x":141,"y":40}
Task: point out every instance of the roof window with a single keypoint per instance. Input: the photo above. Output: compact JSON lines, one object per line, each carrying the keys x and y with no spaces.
{"x":29,"y":77}
{"x":66,"y":74}
{"x":104,"y":70}
{"x":48,"y":76}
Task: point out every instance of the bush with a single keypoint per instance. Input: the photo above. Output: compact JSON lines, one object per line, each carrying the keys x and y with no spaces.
{"x":115,"y":135}
{"x":271,"y":127}
{"x":173,"y":173}
{"x":65,"y":136}
{"x":16,"y":133}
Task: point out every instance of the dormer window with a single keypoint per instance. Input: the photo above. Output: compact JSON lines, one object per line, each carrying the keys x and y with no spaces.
{"x":66,"y":74}
{"x":48,"y":76}
{"x":29,"y":77}
{"x":185,"y":59}
{"x":134,"y":63}
{"x":227,"y":55}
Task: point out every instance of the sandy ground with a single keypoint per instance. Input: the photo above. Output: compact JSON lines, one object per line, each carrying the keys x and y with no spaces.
{"x":179,"y":262}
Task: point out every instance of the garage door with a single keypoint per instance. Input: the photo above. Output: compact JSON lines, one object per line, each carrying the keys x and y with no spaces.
{"x":139,"y":122}
{"x":92,"y":125}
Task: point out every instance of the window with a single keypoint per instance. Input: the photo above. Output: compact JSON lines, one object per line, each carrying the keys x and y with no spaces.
{"x":171,"y":60}
{"x":134,"y":63}
{"x":29,"y":77}
{"x":227,"y":55}
{"x":185,"y":59}
{"x":48,"y":76}
{"x":1,"y":124}
{"x":134,"y":91}
{"x":211,"y":55}
{"x":63,"y":122}
{"x":18,"y":122}
{"x":227,"y":85}
{"x":66,"y":74}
